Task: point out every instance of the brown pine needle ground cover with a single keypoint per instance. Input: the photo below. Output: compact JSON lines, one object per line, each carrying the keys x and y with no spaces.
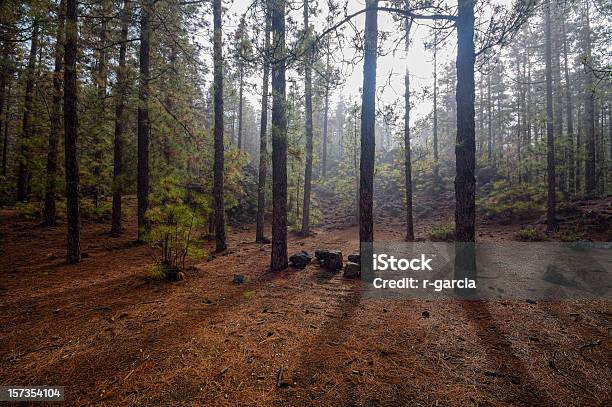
{"x":114,"y":336}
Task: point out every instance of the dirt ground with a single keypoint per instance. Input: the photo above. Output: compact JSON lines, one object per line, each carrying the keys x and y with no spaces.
{"x":114,"y":336}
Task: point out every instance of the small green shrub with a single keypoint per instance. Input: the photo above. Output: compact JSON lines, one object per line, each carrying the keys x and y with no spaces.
{"x":28,"y":210}
{"x":570,"y":236}
{"x":530,"y":234}
{"x":442,"y":233}
{"x":507,"y":203}
{"x":173,"y":225}
{"x":101,"y":213}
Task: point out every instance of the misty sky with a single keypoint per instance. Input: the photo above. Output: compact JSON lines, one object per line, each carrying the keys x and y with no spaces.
{"x":391,"y":67}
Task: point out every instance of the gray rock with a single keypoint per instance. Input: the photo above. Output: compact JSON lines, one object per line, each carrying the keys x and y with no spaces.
{"x":354,"y":258}
{"x":300,"y":260}
{"x":330,"y":259}
{"x":352,"y":270}
{"x":321,"y":254}
{"x":238,"y":279}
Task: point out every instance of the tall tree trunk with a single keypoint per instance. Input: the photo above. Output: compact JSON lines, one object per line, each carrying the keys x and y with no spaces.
{"x":263,"y":138}
{"x":570,"y":118}
{"x":73,"y":245}
{"x":590,"y":182}
{"x":550,"y":141}
{"x":368,"y":122}
{"x":219,"y":205}
{"x":4,"y":109}
{"x":528,"y":115}
{"x":144,"y":126}
{"x":326,"y":115}
{"x":407,"y":149}
{"x":240,"y":98}
{"x":435,"y":110}
{"x":101,"y":84}
{"x":308,"y":127}
{"x":355,"y":169}
{"x":489,"y":118}
{"x":278,"y":259}
{"x":27,"y":128}
{"x":56,"y":121}
{"x":578,"y":156}
{"x":519,"y":123}
{"x":120,"y":122}
{"x":465,"y":148}
{"x":558,"y":94}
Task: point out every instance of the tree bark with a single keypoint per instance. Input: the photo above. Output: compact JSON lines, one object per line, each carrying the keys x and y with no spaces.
{"x":465,"y":148}
{"x":73,"y":246}
{"x":590,"y":182}
{"x":489,"y":117}
{"x":144,"y":126}
{"x":27,"y":128}
{"x":4,"y":110}
{"x":435,"y":111}
{"x":368,"y":121}
{"x":550,"y":141}
{"x":263,"y":139}
{"x":308,"y":127}
{"x":56,"y":121}
{"x":558,"y":95}
{"x":326,"y":116}
{"x":120,"y":123}
{"x":570,"y":118}
{"x":407,"y":149}
{"x":278,"y":259}
{"x":101,"y":84}
{"x":219,"y":206}
{"x":240,"y":98}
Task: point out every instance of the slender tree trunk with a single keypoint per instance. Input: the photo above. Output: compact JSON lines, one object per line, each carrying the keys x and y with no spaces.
{"x":144,"y":126}
{"x":56,"y":121}
{"x":465,"y":214}
{"x":578,"y":157}
{"x":529,"y":100}
{"x":23,"y":176}
{"x":240,"y":98}
{"x":120,"y":122}
{"x":558,"y":96}
{"x":355,"y":169}
{"x":278,"y":259}
{"x":219,"y":206}
{"x":465,"y":148}
{"x":4,"y":110}
{"x":550,"y":141}
{"x":435,"y":110}
{"x":326,"y":115}
{"x":609,"y":168}
{"x":519,"y":123}
{"x":73,"y":245}
{"x":263,"y":139}
{"x":368,"y":122}
{"x":101,"y":84}
{"x":489,"y":118}
{"x":407,"y":149}
{"x":570,"y":119}
{"x":481,"y":114}
{"x":590,"y":182}
{"x":308,"y":126}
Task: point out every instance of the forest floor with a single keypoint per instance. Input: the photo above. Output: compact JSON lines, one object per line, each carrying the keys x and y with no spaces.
{"x":113,"y":335}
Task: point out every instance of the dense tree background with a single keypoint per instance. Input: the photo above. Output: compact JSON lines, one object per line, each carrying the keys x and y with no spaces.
{"x":120,"y":97}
